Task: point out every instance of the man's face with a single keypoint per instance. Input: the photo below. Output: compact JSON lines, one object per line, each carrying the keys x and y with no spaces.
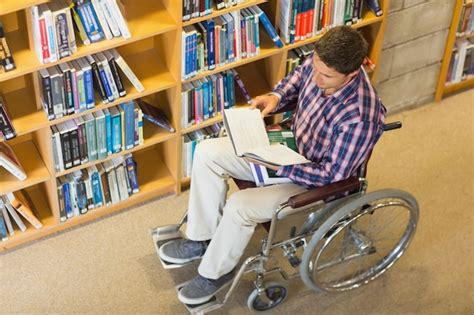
{"x":328,"y":78}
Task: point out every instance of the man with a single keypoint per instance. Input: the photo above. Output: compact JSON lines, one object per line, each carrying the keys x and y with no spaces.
{"x":338,"y":118}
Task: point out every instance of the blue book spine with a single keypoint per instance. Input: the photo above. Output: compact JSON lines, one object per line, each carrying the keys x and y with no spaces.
{"x":211,"y":92}
{"x":96,"y":191}
{"x":194,"y":54}
{"x":211,"y":53}
{"x":132,"y":174}
{"x":89,"y":88}
{"x":205,"y":99}
{"x":3,"y":229}
{"x":219,"y":95}
{"x":108,"y":130}
{"x":230,"y":42}
{"x":129,"y":124}
{"x":270,"y":29}
{"x":108,"y":90}
{"x":67,"y":200}
{"x":226,"y":91}
{"x":116,"y":134}
{"x":230,"y":83}
{"x":187,"y":63}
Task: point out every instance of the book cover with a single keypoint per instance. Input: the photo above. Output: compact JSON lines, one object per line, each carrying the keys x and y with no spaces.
{"x":127,"y":71}
{"x":20,"y":202}
{"x":6,"y":217}
{"x":10,"y":162}
{"x":7,"y":131}
{"x":16,"y":218}
{"x":374,"y":5}
{"x":155,"y":115}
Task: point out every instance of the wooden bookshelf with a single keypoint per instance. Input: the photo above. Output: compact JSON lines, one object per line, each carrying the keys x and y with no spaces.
{"x":444,"y":88}
{"x":154,"y":54}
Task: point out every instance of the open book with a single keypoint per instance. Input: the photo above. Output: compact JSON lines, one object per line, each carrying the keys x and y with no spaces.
{"x":247,"y":133}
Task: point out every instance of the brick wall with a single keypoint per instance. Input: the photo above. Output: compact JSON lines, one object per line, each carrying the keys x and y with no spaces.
{"x":414,"y":43}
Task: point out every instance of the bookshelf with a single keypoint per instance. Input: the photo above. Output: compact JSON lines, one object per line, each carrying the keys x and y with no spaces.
{"x":444,"y":88}
{"x":154,"y":54}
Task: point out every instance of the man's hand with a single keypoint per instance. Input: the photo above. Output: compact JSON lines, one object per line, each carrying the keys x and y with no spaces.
{"x":265,"y":103}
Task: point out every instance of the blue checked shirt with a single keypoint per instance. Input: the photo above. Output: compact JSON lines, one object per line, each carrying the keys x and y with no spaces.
{"x":335,"y":132}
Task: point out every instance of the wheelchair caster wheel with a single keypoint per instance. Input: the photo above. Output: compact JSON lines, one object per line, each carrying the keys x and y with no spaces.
{"x":275,"y":293}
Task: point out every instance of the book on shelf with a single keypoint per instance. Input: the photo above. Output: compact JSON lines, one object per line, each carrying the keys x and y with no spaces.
{"x":374,"y":5}
{"x":6,"y":58}
{"x":23,"y":205}
{"x":13,"y":213}
{"x":7,"y":131}
{"x":263,"y":18}
{"x":10,"y":162}
{"x":246,"y":130}
{"x":155,"y":115}
{"x":127,"y":71}
{"x":6,"y":218}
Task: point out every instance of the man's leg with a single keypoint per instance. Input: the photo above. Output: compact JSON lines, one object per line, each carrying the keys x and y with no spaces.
{"x":243,"y":211}
{"x":214,"y":161}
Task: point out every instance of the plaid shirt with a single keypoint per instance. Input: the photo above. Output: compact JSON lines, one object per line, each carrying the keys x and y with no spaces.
{"x":335,"y":132}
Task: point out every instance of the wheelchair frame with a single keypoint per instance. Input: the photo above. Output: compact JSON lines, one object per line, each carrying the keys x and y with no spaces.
{"x":325,"y":222}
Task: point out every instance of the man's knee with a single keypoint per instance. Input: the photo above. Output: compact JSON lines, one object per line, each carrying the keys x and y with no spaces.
{"x":207,"y":150}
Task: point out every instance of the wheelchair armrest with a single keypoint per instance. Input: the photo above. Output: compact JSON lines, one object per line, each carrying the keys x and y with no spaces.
{"x":324,"y":192}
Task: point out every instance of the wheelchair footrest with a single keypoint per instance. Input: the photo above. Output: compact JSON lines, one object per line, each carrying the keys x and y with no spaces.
{"x":162,"y":235}
{"x":202,"y":308}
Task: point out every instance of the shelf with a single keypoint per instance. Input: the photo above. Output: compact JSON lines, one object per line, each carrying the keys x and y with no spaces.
{"x":17,"y":5}
{"x":453,"y":87}
{"x":368,"y":19}
{"x":149,"y":69}
{"x":267,"y":49}
{"x":33,"y":165}
{"x":152,"y":135}
{"x":144,"y":20}
{"x":43,"y":213}
{"x":155,"y":180}
{"x":215,"y":13}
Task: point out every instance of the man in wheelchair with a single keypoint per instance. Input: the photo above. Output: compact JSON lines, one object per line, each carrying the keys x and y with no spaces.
{"x":338,"y":118}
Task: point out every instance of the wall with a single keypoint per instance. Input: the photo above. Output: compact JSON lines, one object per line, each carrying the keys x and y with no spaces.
{"x":414,"y":43}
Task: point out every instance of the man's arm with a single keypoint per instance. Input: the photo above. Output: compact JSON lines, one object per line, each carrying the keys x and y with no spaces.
{"x":348,"y":149}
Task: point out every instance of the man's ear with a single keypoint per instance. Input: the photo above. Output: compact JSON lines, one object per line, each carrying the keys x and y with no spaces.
{"x":353,"y":74}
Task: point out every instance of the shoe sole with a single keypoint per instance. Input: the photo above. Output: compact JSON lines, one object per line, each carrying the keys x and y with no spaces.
{"x":202,"y":300}
{"x":173,"y":260}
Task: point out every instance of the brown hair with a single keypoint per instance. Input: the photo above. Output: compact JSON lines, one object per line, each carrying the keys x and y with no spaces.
{"x":342,"y":48}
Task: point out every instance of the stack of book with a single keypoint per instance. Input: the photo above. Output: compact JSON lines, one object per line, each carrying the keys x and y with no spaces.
{"x":6,"y":58}
{"x":189,"y":142}
{"x":461,"y":66}
{"x":466,"y":22}
{"x":224,"y":39}
{"x":52,"y":22}
{"x":301,"y":19}
{"x":95,"y":136}
{"x":69,"y":87}
{"x":100,"y":185}
{"x":196,"y":8}
{"x":7,"y":131}
{"x":207,"y":97}
{"x":17,"y":209}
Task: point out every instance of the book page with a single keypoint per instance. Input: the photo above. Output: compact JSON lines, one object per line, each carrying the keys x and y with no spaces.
{"x":277,"y":155}
{"x":246,"y":129}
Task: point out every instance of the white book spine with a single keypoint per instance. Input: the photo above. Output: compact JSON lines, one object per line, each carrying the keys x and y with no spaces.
{"x":127,"y":71}
{"x":102,"y":20}
{"x":15,"y":216}
{"x":119,"y":19}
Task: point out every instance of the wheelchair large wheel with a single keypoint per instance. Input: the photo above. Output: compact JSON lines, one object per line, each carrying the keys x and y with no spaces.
{"x":360,"y":241}
{"x":276,"y":293}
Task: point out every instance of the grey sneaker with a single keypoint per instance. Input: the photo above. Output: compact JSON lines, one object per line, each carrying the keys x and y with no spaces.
{"x":201,"y":290}
{"x":182,"y":251}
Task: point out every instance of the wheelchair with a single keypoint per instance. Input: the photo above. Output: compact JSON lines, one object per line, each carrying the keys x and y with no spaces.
{"x":335,"y":238}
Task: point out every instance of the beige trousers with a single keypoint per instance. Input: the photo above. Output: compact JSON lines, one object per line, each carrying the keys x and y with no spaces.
{"x":230,"y":224}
